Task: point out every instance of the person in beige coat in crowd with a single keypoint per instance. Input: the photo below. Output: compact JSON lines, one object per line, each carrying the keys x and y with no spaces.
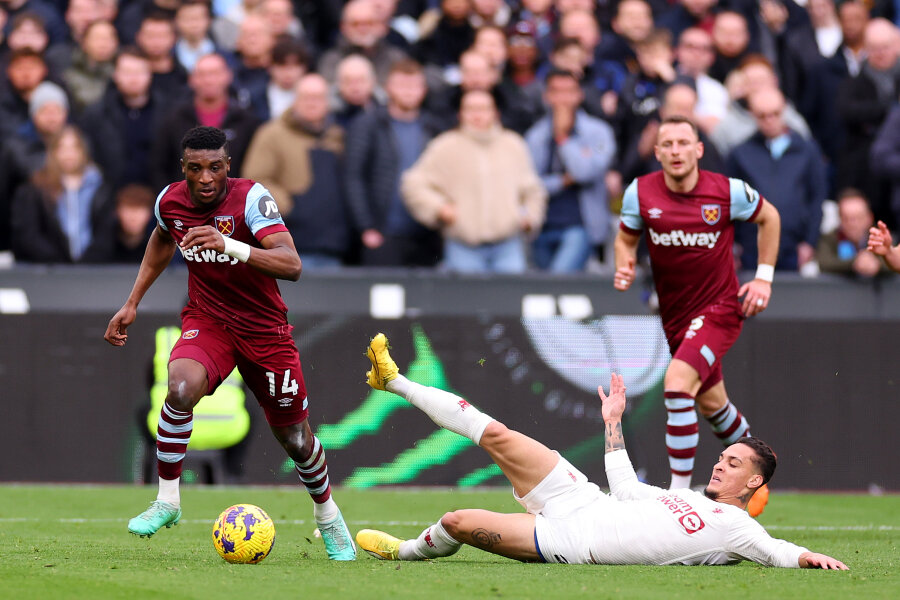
{"x":297,"y":157}
{"x":477,"y":184}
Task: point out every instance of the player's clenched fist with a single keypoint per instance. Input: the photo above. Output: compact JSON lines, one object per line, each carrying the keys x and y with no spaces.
{"x":205,"y":237}
{"x":624,"y":276}
{"x":116,"y":332}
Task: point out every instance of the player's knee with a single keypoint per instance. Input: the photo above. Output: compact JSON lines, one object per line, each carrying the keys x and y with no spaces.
{"x":673,"y":382}
{"x":495,"y":433}
{"x":184,"y":394}
{"x":677,"y":380}
{"x":179,"y":399}
{"x":187,"y":384}
{"x":709,"y":406}
{"x":297,"y":440}
{"x":451,"y":522}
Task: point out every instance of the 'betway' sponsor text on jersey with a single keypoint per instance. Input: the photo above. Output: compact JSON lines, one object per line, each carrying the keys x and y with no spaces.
{"x":690,"y":238}
{"x":224,"y":288}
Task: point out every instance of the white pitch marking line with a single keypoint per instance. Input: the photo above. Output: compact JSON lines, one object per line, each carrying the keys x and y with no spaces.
{"x":425,"y":523}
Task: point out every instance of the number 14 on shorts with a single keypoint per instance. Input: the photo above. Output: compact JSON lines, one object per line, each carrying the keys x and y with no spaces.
{"x":288,"y":386}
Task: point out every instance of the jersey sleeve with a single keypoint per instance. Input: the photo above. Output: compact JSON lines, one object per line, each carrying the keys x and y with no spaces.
{"x":749,"y":540}
{"x":631,"y":220}
{"x":623,"y":481}
{"x":159,"y":218}
{"x":745,"y":201}
{"x":261,"y":212}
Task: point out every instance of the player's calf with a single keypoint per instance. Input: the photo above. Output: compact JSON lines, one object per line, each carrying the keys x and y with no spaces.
{"x":447,"y":410}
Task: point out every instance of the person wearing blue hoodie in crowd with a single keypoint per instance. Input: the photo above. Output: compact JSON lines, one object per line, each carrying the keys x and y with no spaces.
{"x":572,"y":152}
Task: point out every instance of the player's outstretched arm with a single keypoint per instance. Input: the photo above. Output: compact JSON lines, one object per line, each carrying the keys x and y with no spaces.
{"x":612,"y":410}
{"x":159,"y":252}
{"x":623,"y":481}
{"x":625,"y":246}
{"x":757,"y":292}
{"x":879,"y":243}
{"x":814,"y":560}
{"x":277,"y":258}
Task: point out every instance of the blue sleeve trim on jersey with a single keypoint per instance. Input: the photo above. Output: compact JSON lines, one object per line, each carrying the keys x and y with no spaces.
{"x":745,"y":201}
{"x":156,"y":208}
{"x":260,"y":210}
{"x":631,"y":208}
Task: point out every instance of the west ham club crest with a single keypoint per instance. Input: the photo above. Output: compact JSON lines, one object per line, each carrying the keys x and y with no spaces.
{"x":711,"y":213}
{"x":225,"y":225}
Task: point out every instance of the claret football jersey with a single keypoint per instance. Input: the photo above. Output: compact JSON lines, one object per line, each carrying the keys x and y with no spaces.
{"x":690,"y":239}
{"x":236,"y":294}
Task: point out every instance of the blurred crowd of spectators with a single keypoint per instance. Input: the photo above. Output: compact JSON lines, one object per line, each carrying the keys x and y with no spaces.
{"x":479,"y":135}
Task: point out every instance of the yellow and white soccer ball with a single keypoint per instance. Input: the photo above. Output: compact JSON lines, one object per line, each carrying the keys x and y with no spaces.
{"x":243,"y":533}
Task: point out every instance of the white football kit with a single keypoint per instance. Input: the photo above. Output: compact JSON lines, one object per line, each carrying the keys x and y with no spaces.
{"x":638,"y":523}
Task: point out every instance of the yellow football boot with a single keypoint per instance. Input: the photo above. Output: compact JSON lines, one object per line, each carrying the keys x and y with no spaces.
{"x":378,"y":543}
{"x":384,"y":369}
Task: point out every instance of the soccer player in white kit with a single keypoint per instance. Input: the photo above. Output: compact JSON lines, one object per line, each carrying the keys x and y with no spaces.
{"x":568,"y":518}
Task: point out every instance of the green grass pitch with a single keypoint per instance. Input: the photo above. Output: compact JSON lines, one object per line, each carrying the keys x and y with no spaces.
{"x":71,"y":542}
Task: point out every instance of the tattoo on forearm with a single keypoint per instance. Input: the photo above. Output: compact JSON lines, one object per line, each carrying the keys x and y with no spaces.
{"x":614,"y":438}
{"x":482,"y":538}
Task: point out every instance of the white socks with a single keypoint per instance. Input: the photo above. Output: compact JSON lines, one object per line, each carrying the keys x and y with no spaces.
{"x":447,"y":410}
{"x":168,"y":491}
{"x":434,"y":542}
{"x":679,"y":482}
{"x":326,"y":511}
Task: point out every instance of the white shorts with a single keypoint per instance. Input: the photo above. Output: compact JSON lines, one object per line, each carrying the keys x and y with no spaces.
{"x":562,"y":503}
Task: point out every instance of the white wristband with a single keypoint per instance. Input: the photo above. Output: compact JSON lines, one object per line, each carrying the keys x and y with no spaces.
{"x":236,"y":249}
{"x":765,"y":272}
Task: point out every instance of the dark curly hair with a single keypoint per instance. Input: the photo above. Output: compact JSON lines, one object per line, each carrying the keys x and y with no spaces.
{"x":765,"y":458}
{"x":203,"y":138}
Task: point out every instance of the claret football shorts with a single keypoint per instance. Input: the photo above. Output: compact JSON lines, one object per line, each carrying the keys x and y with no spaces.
{"x":270,"y":365}
{"x":705,"y":341}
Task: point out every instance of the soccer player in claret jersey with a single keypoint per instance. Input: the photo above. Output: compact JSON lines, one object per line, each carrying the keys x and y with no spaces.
{"x":568,"y":518}
{"x":687,"y":214}
{"x":236,"y":245}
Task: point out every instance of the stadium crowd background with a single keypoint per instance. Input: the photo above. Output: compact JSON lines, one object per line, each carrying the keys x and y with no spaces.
{"x":332,"y":105}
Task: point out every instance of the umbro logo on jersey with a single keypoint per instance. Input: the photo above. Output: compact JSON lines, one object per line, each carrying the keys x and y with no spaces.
{"x":285,"y":401}
{"x":678,"y":237}
{"x":178,"y":224}
{"x":655,"y":213}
